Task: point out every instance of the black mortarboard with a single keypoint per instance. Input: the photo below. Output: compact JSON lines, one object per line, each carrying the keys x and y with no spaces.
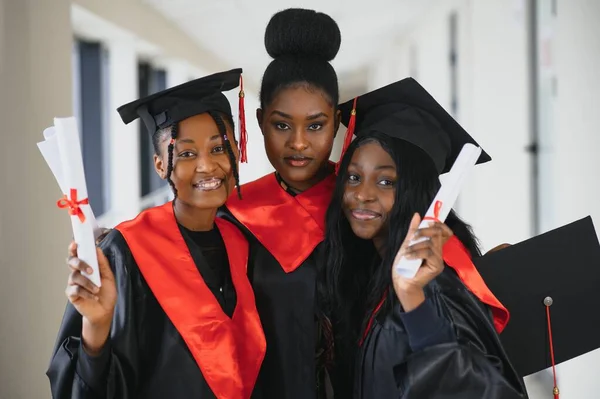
{"x":406,"y":111}
{"x":173,"y":105}
{"x":562,"y":265}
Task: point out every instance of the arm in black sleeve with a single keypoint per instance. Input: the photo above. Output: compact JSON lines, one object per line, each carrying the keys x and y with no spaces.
{"x":425,"y":327}
{"x":112,"y":374}
{"x":472,"y":365}
{"x":94,"y":369}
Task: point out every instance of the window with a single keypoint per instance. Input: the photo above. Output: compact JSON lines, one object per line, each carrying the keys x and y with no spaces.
{"x":542,"y":28}
{"x":90,"y":62}
{"x":151,"y":80}
{"x":453,"y":59}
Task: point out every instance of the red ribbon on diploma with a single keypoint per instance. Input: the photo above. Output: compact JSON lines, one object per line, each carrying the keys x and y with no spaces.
{"x":436,"y":212}
{"x":73,"y":205}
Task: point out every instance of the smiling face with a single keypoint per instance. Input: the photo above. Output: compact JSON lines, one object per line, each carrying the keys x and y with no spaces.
{"x":202,"y":174}
{"x":370,"y":191}
{"x":299,"y":126}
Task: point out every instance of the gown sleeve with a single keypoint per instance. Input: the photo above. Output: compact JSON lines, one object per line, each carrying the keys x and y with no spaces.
{"x":425,"y":327}
{"x":115,"y":372}
{"x":472,"y":365}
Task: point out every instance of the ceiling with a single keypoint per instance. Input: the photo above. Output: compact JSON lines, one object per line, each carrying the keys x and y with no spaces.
{"x":234,"y":29}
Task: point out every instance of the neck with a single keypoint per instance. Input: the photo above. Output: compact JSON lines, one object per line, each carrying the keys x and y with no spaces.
{"x":194,"y":218}
{"x":379,"y":243}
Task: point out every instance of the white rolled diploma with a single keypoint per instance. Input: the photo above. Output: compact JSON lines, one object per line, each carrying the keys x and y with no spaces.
{"x":443,"y":202}
{"x":62,"y":152}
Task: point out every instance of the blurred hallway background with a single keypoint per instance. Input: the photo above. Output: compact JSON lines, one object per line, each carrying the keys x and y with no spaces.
{"x":520,"y":75}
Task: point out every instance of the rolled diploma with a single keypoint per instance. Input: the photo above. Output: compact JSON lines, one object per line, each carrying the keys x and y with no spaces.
{"x":445,"y":199}
{"x":67,"y":136}
{"x":51,"y":153}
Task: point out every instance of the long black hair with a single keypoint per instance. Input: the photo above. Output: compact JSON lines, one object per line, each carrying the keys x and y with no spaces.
{"x":301,"y":42}
{"x":171,"y":131}
{"x":354,"y":278}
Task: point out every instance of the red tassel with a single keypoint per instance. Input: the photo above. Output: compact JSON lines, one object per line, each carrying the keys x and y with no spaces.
{"x":548,"y":302}
{"x":349,"y":135}
{"x":242,"y":121}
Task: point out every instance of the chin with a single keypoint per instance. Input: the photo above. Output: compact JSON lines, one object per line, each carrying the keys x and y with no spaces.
{"x":210,"y":199}
{"x":294,"y":176}
{"x":362,"y":231}
{"x":297,"y":175}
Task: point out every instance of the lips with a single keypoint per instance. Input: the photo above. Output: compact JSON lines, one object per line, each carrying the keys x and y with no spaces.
{"x":297,"y":160}
{"x":364,"y":214}
{"x":210,"y":184}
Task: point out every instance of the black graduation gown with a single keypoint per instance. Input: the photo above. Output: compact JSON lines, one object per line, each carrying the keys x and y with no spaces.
{"x":284,"y":231}
{"x":146,"y":356}
{"x":470,"y":364}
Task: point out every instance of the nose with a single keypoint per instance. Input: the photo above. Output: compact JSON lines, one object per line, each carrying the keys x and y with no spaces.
{"x":206,"y":164}
{"x":365,"y":193}
{"x":298,"y":140}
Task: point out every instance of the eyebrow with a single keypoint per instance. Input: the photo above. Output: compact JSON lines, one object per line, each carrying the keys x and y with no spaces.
{"x":190,"y":141}
{"x":317,"y":116}
{"x":380,"y":167}
{"x":308,"y":118}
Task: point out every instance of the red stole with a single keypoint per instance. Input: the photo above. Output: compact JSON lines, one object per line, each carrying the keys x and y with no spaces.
{"x":289,"y":227}
{"x":457,"y":257}
{"x":228,"y":351}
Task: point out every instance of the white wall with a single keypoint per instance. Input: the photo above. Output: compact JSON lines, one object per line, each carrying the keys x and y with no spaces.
{"x":493,"y":100}
{"x":577,"y":137}
{"x":35,"y":86}
{"x":575,"y":163}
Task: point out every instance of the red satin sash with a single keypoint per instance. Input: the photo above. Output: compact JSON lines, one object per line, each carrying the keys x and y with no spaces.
{"x":289,"y":227}
{"x":228,"y":351}
{"x":457,"y":257}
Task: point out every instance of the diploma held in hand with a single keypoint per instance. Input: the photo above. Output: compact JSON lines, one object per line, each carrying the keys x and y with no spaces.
{"x":62,"y":151}
{"x":443,"y":202}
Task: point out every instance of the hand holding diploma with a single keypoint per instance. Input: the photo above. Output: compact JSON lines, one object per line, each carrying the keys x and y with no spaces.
{"x":410,"y":291}
{"x":96,"y":305}
{"x":441,"y":205}
{"x":62,"y":151}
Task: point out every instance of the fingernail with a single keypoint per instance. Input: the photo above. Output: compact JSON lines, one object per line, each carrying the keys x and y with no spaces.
{"x":74,"y":262}
{"x":96,"y":298}
{"x":96,"y":289}
{"x":89,"y":270}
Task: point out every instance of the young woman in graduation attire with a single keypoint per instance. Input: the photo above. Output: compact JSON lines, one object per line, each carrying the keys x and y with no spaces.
{"x":432,"y":336}
{"x":283,"y":213}
{"x":175,"y":315}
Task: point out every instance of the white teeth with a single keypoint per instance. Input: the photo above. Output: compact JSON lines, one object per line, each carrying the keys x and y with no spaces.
{"x":209,"y":184}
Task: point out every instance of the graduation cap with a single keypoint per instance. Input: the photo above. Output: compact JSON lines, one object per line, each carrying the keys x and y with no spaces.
{"x":549,"y":284}
{"x":406,"y":111}
{"x":195,"y":97}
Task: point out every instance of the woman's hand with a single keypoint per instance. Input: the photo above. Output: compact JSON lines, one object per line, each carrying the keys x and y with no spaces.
{"x":410,"y":290}
{"x":95,"y":304}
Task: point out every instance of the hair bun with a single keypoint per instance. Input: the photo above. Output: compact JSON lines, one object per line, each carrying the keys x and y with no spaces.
{"x":304,"y":33}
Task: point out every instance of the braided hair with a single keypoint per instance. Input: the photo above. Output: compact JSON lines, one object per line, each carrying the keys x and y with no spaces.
{"x":172,"y":130}
{"x":223,"y":132}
